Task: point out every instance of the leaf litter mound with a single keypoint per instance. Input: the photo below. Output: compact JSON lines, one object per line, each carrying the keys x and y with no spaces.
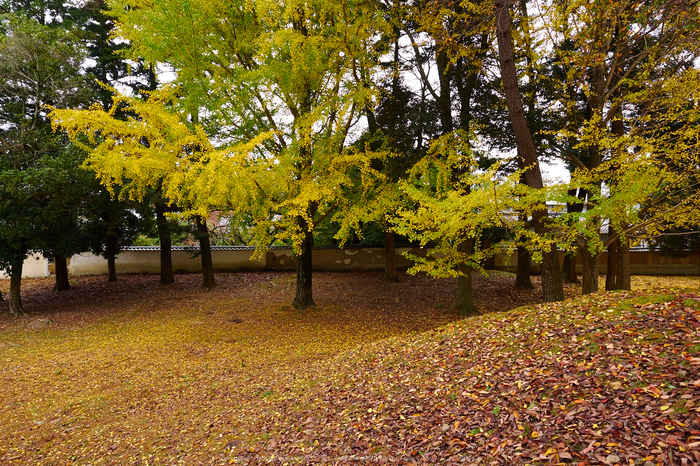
{"x":593,"y":381}
{"x":233,"y":376}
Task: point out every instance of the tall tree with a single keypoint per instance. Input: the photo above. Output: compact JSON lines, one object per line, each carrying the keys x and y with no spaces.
{"x":58,"y":233}
{"x":277,"y":80}
{"x":39,"y":65}
{"x":552,"y":285}
{"x":77,"y":223}
{"x":615,"y":59}
{"x":458,"y":59}
{"x":397,"y":128}
{"x":447,"y":209}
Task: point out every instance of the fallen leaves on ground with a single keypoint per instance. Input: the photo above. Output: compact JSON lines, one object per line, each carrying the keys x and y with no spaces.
{"x":135,"y":373}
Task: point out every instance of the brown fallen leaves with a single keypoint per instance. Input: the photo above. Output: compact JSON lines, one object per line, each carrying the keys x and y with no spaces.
{"x":141,"y":374}
{"x":605,"y":380}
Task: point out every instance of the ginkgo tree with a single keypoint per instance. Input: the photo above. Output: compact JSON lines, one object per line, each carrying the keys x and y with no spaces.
{"x":279,"y":93}
{"x":452,"y":37}
{"x":137,"y":147}
{"x":616,"y":62}
{"x":452,"y":200}
{"x":652,"y":184}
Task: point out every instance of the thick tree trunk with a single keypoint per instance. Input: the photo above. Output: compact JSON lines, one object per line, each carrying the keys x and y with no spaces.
{"x":15,"y":300}
{"x":590,"y":271}
{"x":611,"y":272}
{"x":390,"y":273}
{"x":111,"y":253}
{"x":552,"y":285}
{"x":444,"y":103}
{"x":522,"y":276}
{"x":166,"y":258}
{"x":570,"y":268}
{"x":623,"y":267}
{"x":304,"y":296}
{"x":62,"y":283}
{"x":208,"y":280}
{"x":465,"y":292}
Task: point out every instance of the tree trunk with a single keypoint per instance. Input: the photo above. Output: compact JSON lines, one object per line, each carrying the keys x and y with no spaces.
{"x":570,"y":275}
{"x":611,"y":272}
{"x":304,"y":297}
{"x":166,"y":258}
{"x":522,"y":277}
{"x":552,"y":285}
{"x":622,"y":253}
{"x":570,"y":268}
{"x":465,"y":293}
{"x":623,"y":267}
{"x":390,"y":273}
{"x":62,"y":283}
{"x":208,"y":280}
{"x":444,"y":103}
{"x":16,"y":308}
{"x":590,"y":271}
{"x":111,"y":253}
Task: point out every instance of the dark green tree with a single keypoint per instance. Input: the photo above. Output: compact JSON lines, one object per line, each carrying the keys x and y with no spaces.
{"x":39,"y":66}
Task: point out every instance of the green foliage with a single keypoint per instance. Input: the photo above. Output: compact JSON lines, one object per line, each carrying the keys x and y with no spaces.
{"x":627,"y":82}
{"x":108,"y":219}
{"x":282,"y":93}
{"x":646,"y":186}
{"x":40,"y":179}
{"x":261,"y":121}
{"x":450,"y":208}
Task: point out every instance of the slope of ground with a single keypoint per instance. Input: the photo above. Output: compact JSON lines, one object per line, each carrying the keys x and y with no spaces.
{"x":610,"y":379}
{"x":134,"y":373}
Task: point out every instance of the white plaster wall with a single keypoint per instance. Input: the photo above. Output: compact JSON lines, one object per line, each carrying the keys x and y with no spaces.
{"x":87,"y":264}
{"x":35,"y":266}
{"x":229,"y":261}
{"x":149,"y":262}
{"x":360,"y":259}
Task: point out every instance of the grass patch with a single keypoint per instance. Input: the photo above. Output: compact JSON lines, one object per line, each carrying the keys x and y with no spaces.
{"x":692,"y":303}
{"x":629,"y":304}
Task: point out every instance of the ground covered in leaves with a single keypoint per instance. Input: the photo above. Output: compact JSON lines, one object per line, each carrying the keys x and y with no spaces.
{"x":135,"y":373}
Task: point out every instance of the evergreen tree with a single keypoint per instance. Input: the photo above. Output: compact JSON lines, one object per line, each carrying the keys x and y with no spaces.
{"x":39,"y":170}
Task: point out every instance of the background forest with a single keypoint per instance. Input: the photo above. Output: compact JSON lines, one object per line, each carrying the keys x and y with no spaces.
{"x":308,"y":121}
